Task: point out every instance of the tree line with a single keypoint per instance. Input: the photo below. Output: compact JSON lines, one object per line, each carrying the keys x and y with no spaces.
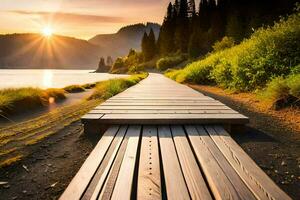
{"x":192,"y":30}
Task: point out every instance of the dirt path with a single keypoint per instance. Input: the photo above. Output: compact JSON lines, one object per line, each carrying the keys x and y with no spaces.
{"x":40,"y":166}
{"x":272,"y":138}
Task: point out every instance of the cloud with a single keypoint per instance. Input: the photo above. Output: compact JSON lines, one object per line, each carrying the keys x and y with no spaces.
{"x":72,"y":17}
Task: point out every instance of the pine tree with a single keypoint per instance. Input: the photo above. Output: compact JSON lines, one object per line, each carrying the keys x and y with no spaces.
{"x":182,"y":27}
{"x":176,"y":7}
{"x":166,"y":37}
{"x":151,"y":44}
{"x":191,"y":8}
{"x":145,"y":47}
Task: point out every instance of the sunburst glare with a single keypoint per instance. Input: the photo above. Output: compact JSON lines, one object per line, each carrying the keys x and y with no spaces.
{"x":47,"y":31}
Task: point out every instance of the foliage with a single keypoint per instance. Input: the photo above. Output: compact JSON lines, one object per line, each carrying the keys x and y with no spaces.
{"x":170,"y":61}
{"x":128,"y":63}
{"x":109,"y":88}
{"x":74,"y":88}
{"x":269,"y":52}
{"x":283,"y":91}
{"x":23,"y":99}
{"x":225,"y":43}
{"x":186,"y":30}
{"x":148,"y":45}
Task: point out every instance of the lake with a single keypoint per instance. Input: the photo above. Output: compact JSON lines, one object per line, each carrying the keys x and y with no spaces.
{"x":46,"y":78}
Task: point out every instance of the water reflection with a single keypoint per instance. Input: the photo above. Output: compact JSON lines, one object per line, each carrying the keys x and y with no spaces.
{"x":47,"y":79}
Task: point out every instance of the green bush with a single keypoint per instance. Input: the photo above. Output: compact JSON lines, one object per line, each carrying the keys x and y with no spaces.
{"x":130,"y":63}
{"x":269,"y":52}
{"x":283,"y":91}
{"x":170,"y":61}
{"x":74,"y":88}
{"x":225,"y":43}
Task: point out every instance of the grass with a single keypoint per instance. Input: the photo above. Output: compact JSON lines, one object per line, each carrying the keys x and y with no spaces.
{"x":282,"y":92}
{"x":270,"y":52}
{"x":269,"y":61}
{"x":5,"y":152}
{"x":106,"y":89}
{"x":36,"y":130}
{"x":10,"y":161}
{"x":23,"y":99}
{"x":74,"y":88}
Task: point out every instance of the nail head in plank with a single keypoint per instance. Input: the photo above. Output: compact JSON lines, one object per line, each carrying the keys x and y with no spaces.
{"x":149,"y":182}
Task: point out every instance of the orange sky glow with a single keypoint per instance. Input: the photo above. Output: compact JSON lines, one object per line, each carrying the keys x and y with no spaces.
{"x":77,"y":18}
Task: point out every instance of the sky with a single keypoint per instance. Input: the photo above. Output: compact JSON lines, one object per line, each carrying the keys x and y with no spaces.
{"x":77,"y":18}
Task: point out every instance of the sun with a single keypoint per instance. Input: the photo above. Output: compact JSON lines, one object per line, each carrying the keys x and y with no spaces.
{"x":47,"y":31}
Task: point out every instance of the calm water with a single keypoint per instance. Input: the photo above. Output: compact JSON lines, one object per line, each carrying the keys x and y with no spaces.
{"x":50,"y":78}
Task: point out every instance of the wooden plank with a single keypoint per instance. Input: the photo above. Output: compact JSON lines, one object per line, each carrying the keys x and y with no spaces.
{"x":231,"y":174}
{"x":110,"y":182}
{"x":80,"y":182}
{"x":259,"y":183}
{"x":219,"y":184}
{"x":161,"y":98}
{"x":173,"y":120}
{"x":90,"y":116}
{"x":100,"y":176}
{"x":124,"y":181}
{"x":162,"y":104}
{"x":173,"y":116}
{"x":149,"y":182}
{"x":174,"y":180}
{"x":163,"y":111}
{"x":191,"y":171}
{"x":160,"y":107}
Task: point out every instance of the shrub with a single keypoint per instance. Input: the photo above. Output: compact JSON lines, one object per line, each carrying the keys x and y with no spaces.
{"x":130,"y":63}
{"x":269,"y":52}
{"x":225,"y":43}
{"x":74,"y":88}
{"x":282,"y":91}
{"x":170,"y":61}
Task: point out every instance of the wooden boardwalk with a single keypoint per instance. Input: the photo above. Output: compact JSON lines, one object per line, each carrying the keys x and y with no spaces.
{"x":167,"y":141}
{"x":170,"y":162}
{"x":159,"y":100}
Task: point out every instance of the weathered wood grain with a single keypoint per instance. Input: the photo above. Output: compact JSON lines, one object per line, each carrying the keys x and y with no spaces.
{"x":175,"y":184}
{"x":149,"y":181}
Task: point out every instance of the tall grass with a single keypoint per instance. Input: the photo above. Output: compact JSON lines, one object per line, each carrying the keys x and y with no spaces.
{"x":106,"y":89}
{"x":23,"y":99}
{"x":270,"y":52}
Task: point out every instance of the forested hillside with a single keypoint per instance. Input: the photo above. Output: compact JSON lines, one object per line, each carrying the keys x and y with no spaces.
{"x":128,"y":37}
{"x":194,"y":31}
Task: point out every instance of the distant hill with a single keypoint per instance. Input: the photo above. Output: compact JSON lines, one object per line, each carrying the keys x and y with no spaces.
{"x":118,"y":44}
{"x":36,"y":51}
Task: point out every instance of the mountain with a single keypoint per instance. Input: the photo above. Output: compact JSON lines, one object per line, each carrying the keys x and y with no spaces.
{"x":36,"y":51}
{"x":31,"y":50}
{"x":118,"y":44}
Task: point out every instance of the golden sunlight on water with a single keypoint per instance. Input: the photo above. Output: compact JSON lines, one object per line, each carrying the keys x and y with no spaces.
{"x":47,"y":78}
